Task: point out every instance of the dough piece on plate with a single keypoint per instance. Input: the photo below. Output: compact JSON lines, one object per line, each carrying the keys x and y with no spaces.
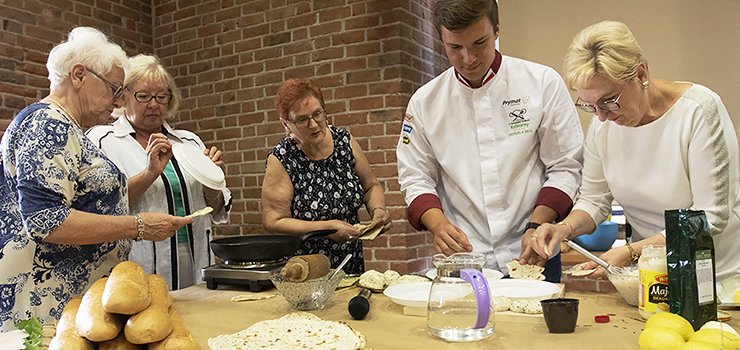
{"x":500,"y":303}
{"x":529,"y":272}
{"x":372,"y":279}
{"x":526,"y":306}
{"x":391,"y":276}
{"x":409,"y":279}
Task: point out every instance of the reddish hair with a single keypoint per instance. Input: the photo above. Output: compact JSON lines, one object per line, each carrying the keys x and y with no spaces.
{"x":295,"y":89}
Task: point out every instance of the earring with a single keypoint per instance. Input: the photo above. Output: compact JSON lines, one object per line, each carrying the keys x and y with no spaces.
{"x":645,"y":84}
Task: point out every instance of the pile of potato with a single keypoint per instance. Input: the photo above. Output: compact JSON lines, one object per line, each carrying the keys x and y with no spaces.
{"x":128,"y":310}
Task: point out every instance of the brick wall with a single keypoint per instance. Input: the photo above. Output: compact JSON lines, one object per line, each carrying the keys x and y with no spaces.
{"x":229,"y":58}
{"x":30,"y":28}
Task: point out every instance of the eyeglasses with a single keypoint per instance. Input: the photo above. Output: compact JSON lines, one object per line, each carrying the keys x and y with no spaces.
{"x":611,"y":105}
{"x":116,"y":89}
{"x":318,"y":116}
{"x":145,"y":97}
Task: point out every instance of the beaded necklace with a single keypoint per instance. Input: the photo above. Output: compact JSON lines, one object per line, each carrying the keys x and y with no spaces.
{"x":66,"y":113}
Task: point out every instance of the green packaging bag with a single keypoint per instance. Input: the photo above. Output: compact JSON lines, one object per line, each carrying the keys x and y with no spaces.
{"x":691,"y":273}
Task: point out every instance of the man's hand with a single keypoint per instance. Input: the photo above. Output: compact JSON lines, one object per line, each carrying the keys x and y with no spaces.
{"x":449,"y":239}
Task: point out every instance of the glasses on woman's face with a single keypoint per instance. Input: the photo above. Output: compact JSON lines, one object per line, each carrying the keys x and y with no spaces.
{"x":611,"y":105}
{"x":318,"y":116}
{"x":145,"y":97}
{"x":117,"y":90}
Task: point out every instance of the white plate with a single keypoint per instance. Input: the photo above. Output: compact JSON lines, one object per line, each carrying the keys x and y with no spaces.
{"x":489,"y":274}
{"x":409,"y":294}
{"x":197,"y":164}
{"x":523,"y":289}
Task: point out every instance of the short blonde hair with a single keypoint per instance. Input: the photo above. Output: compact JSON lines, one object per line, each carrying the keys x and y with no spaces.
{"x":148,"y":67}
{"x":607,"y":48}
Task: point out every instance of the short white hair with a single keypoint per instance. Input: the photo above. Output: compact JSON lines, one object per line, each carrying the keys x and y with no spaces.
{"x":89,"y":47}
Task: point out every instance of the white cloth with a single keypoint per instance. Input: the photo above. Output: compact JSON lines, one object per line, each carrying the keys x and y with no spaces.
{"x":123,"y":149}
{"x":688,"y":158}
{"x":487,"y":152}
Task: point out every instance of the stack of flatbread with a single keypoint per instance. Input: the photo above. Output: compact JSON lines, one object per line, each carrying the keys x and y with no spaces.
{"x":299,"y":330}
{"x":369,"y":230}
{"x":528,"y":272}
{"x":377,"y":282}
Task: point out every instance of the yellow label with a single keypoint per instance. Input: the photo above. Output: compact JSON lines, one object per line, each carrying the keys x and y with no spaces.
{"x":653,"y":291}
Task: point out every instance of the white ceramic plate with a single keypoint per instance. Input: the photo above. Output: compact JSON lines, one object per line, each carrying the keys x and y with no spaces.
{"x":409,"y":294}
{"x":489,"y":274}
{"x":197,"y":164}
{"x":523,"y":289}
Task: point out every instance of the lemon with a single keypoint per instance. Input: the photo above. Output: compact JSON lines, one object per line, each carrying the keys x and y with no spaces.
{"x":671,"y":321}
{"x":659,"y":338}
{"x":717,"y":338}
{"x":695,"y":345}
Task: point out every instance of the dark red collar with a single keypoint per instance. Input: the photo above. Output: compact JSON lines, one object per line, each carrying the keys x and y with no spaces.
{"x":489,"y":74}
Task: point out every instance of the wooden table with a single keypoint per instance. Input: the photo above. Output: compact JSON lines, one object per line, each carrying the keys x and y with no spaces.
{"x":209,"y":313}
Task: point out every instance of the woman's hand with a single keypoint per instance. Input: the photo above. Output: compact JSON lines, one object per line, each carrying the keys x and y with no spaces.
{"x":547,"y":237}
{"x":382,"y":215}
{"x":159,"y":226}
{"x":215,"y":155}
{"x":158,"y":152}
{"x":345,"y":231}
{"x":619,"y":256}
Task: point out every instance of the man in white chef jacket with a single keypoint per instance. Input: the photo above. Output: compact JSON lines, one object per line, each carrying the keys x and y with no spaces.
{"x":491,"y":147}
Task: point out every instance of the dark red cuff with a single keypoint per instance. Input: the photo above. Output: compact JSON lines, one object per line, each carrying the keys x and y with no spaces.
{"x":419,"y":206}
{"x":556,"y":200}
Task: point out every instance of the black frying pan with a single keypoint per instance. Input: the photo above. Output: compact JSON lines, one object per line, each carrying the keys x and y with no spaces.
{"x":256,"y":248}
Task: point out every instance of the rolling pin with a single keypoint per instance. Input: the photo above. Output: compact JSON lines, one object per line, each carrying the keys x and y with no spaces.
{"x":305,"y":267}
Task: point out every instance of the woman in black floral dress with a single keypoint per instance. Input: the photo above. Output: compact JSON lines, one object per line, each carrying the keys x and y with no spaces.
{"x":317,"y":178}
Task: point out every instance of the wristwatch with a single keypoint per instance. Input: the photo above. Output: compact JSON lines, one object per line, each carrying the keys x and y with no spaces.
{"x":530,"y":224}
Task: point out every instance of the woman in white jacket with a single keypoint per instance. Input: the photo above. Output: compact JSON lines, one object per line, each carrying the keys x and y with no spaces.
{"x":653,"y":145}
{"x":140,"y":143}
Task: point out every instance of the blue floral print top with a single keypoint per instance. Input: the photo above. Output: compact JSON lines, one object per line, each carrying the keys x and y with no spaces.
{"x":48,"y":167}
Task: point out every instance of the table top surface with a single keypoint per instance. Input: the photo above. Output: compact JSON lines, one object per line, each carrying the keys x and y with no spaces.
{"x":209,"y":313}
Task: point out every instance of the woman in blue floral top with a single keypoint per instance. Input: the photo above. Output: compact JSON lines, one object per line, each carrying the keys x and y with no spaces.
{"x":63,"y":204}
{"x":318,"y":178}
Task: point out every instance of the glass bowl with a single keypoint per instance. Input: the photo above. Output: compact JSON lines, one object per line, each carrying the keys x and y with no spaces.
{"x":307,"y":295}
{"x":628,"y":284}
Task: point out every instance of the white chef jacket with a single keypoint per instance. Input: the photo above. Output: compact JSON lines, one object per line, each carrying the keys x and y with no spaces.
{"x":123,"y":149}
{"x":487,"y":152}
{"x":687,"y":158}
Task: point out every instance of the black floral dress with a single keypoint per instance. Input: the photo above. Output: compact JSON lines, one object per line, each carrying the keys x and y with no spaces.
{"x":326,"y":189}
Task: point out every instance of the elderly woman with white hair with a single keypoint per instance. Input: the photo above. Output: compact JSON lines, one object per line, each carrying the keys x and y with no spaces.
{"x":64,"y":219}
{"x":140,"y":143}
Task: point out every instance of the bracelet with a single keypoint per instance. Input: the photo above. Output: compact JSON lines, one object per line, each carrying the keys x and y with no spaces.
{"x":633,"y":255}
{"x":572,"y":230}
{"x":139,"y":227}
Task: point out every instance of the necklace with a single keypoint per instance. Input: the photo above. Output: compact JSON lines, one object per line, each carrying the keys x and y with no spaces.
{"x":66,"y":113}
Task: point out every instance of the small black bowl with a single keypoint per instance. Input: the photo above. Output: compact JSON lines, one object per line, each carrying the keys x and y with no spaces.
{"x":561,"y":314}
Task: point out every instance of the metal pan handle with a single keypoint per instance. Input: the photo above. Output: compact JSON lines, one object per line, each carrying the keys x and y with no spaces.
{"x":317,"y":234}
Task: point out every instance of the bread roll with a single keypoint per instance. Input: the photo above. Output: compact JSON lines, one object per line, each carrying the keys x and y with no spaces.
{"x":66,"y":337}
{"x":154,"y":323}
{"x":179,"y":339}
{"x":119,"y":343}
{"x":127,"y":289}
{"x":92,"y":321}
{"x":306,"y":267}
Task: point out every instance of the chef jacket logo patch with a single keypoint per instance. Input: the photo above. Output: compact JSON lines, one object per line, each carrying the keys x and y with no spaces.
{"x":407,"y":128}
{"x":515,"y":102}
{"x":406,"y":139}
{"x":408,"y":117}
{"x":519,"y":125}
